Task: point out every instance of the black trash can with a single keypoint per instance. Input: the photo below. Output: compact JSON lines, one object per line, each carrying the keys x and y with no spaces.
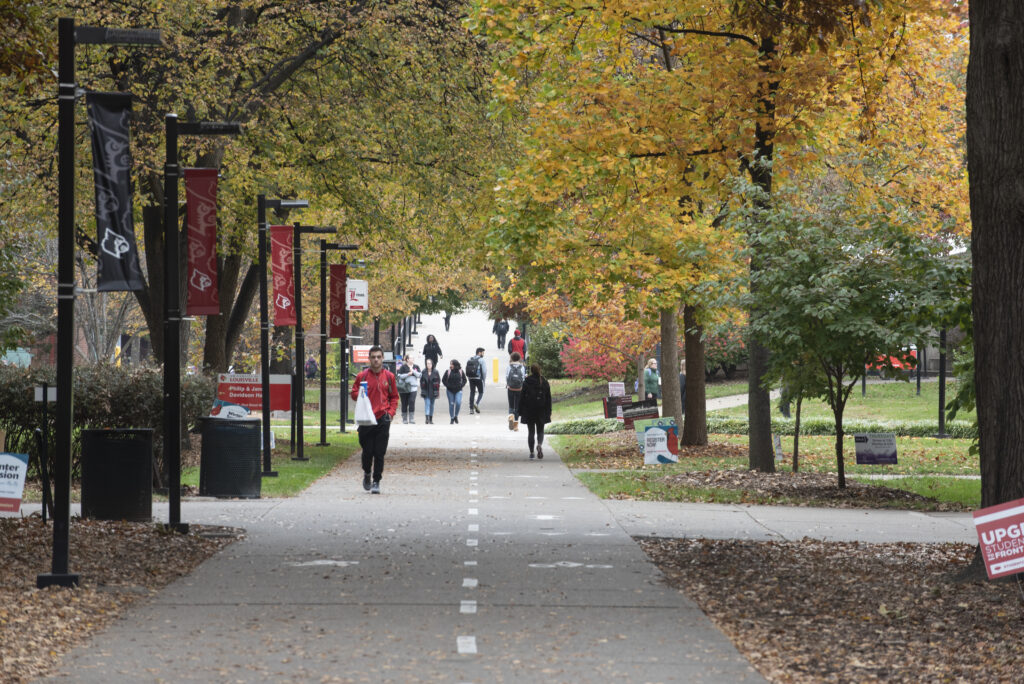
{"x":229,"y":461}
{"x":117,"y":474}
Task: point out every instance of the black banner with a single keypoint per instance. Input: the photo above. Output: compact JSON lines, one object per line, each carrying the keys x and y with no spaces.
{"x":112,"y":163}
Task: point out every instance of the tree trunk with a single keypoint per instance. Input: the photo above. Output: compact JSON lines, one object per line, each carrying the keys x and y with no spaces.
{"x":671,"y":402}
{"x":695,"y":426}
{"x":840,"y":465}
{"x":995,"y":157}
{"x":796,"y":434}
{"x":759,"y":406}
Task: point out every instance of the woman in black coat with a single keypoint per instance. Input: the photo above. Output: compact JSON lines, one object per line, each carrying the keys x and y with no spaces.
{"x":430,"y":387}
{"x":432,"y":350}
{"x":535,"y":408}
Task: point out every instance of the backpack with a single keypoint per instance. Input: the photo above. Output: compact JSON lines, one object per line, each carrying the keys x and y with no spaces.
{"x":473,"y":368}
{"x":516,"y":376}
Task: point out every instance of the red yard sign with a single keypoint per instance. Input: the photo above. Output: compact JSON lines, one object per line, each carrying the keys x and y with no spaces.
{"x":1001,"y":535}
{"x":246,"y":390}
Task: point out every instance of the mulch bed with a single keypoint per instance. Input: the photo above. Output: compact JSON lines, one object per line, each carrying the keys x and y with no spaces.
{"x":119,"y":563}
{"x":814,"y":611}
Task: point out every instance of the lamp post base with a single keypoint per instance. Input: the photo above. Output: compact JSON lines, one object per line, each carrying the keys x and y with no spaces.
{"x":269,"y":473}
{"x":178,"y":527}
{"x":57,"y":579}
{"x":298,"y":458}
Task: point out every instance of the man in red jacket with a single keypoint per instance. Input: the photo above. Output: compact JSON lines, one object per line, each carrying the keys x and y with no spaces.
{"x":517,"y":345}
{"x":382,"y":390}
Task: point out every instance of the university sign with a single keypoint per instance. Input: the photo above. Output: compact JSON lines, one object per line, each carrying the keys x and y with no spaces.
{"x":1001,"y":536}
{"x":246,"y":390}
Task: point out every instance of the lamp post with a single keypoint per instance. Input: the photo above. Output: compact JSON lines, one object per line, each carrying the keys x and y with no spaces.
{"x":324,"y":247}
{"x":300,"y":336}
{"x":68,"y":36}
{"x":262,"y":204}
{"x":172,"y":306}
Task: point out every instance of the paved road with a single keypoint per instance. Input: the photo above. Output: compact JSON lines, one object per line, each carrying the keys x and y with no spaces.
{"x":475,"y":564}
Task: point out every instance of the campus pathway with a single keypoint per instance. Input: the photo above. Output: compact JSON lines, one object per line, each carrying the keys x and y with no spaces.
{"x":475,"y":564}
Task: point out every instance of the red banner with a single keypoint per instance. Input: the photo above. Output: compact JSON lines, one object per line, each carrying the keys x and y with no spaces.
{"x":281,"y":266}
{"x":201,"y":200}
{"x":336,"y":328}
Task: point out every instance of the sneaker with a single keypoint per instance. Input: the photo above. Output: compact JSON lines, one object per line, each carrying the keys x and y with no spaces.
{"x":451,"y":422}
{"x":366,"y":481}
{"x":540,"y":452}
{"x":515,"y":426}
{"x":456,"y":420}
{"x":531,"y":454}
{"x":375,"y":489}
{"x":511,"y":419}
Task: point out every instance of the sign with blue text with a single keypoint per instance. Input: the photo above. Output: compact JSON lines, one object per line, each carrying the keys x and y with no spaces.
{"x":661,"y":444}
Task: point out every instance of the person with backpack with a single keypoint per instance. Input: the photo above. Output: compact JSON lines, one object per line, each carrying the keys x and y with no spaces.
{"x":517,"y":345}
{"x":408,"y":385}
{"x":430,"y":387}
{"x":432,"y":350}
{"x":535,"y":408}
{"x":501,"y":330}
{"x":515,"y":376}
{"x":454,"y":380}
{"x":311,"y":368}
{"x":476,"y":374}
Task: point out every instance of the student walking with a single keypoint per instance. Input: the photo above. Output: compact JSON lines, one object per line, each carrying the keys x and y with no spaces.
{"x":652,"y":380}
{"x":476,"y":374}
{"x":517,"y":345}
{"x":515,"y":376}
{"x":454,"y":380}
{"x":501,"y":330}
{"x":447,"y":320}
{"x":430,"y":387}
{"x":408,"y":386}
{"x":535,"y":408}
{"x":382,"y":391}
{"x":432,"y":350}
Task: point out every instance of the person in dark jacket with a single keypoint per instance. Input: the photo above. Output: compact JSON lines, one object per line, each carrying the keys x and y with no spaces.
{"x":501,"y":330}
{"x":454,"y":380}
{"x":430,"y":387}
{"x":682,"y":384}
{"x":535,"y":408}
{"x":432,"y":350}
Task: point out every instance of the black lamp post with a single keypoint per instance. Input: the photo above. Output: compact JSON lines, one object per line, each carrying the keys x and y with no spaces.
{"x":68,"y":36}
{"x":300,"y":335}
{"x":172,"y":306}
{"x":324,"y":247}
{"x":262,"y":204}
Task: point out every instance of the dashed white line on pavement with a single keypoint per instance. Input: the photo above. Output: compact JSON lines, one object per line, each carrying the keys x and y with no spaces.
{"x":468,"y":607}
{"x":545,"y":517}
{"x":466,"y":645}
{"x":474,"y":511}
{"x":469,"y":563}
{"x":474,"y":501}
{"x":536,"y":498}
{"x":472,"y":542}
{"x":474,"y":492}
{"x":470,"y":582}
{"x":473,"y":472}
{"x":473,"y":528}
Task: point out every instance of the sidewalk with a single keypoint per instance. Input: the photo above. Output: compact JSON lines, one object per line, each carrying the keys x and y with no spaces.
{"x":475,"y":564}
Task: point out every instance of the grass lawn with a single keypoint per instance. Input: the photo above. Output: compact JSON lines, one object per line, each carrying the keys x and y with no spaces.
{"x":295,"y":476}
{"x":589,"y":405}
{"x":949,"y":489}
{"x":884,"y":401}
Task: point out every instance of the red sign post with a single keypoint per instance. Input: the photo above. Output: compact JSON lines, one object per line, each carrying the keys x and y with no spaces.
{"x":1001,"y":535}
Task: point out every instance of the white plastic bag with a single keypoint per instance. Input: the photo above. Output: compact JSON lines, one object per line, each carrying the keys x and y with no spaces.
{"x":364,"y":410}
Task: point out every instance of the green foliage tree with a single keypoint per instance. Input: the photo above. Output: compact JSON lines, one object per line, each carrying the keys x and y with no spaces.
{"x":841,"y":289}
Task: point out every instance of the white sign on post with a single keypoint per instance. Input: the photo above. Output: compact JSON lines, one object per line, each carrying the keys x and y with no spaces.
{"x":51,"y":395}
{"x":358,"y":296}
{"x":13,"y":468}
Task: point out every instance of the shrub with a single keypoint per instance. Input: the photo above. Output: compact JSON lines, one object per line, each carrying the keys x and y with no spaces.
{"x":824,"y":426}
{"x":545,"y":350}
{"x":583,"y":426}
{"x":590,"y":361}
{"x":105,"y":397}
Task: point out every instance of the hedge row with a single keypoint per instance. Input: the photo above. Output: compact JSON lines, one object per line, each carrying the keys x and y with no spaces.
{"x":813,"y":426}
{"x":105,"y":397}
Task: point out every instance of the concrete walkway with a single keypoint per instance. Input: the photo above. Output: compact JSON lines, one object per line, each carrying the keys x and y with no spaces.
{"x":475,"y":564}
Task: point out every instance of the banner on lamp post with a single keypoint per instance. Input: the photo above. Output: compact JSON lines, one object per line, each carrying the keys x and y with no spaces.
{"x":201,"y":200}
{"x":358,"y":297}
{"x":336,"y":326}
{"x":281,"y":266}
{"x":117,"y":255}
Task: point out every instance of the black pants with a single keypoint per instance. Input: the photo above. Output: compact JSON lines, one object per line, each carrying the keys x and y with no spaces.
{"x":374,"y":441}
{"x":530,"y":427}
{"x":513,"y":402}
{"x":476,"y":387}
{"x":408,"y":405}
{"x":501,"y":340}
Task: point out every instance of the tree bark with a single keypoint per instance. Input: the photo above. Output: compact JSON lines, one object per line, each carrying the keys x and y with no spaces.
{"x":695,"y":425}
{"x":671,"y":402}
{"x":796,"y":435}
{"x":995,"y":157}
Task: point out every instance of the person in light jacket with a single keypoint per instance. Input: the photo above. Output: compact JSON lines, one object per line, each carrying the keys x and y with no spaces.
{"x":430,"y":387}
{"x":408,"y":385}
{"x":535,"y":408}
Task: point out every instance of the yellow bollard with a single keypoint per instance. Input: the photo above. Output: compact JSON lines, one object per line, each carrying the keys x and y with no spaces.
{"x":494,"y":363}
